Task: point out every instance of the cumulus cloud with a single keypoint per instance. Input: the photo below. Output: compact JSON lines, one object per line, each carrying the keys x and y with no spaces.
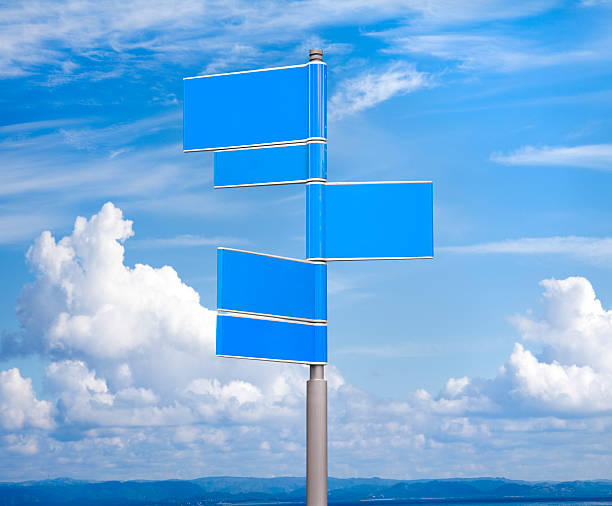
{"x":138,"y":334}
{"x":132,"y":346}
{"x":19,"y":406}
{"x":591,"y":156}
{"x":102,"y":308}
{"x":375,"y":86}
{"x":558,"y":387}
{"x":573,"y":373}
{"x":133,"y":383}
{"x":575,"y":328}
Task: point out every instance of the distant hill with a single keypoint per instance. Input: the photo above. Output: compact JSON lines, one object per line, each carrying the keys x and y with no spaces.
{"x":226,"y":489}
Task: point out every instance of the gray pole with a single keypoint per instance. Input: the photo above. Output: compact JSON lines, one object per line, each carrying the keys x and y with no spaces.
{"x":316,"y":437}
{"x":316,"y":415}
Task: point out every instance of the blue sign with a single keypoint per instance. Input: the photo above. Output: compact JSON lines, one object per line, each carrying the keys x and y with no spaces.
{"x":366,"y":221}
{"x":265,"y":166}
{"x":266,"y":339}
{"x":268,"y":285}
{"x":277,"y":106}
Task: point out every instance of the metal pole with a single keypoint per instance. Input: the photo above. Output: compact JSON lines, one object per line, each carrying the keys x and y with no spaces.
{"x":316,"y":437}
{"x":316,"y":405}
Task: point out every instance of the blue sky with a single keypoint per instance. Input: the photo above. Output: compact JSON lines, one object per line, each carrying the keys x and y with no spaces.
{"x":492,"y":359}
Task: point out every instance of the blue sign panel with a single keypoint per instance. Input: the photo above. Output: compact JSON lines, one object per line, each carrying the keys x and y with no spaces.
{"x":378,"y":220}
{"x":267,"y":285}
{"x":261,"y":107}
{"x":259,"y":166}
{"x":262,"y":339}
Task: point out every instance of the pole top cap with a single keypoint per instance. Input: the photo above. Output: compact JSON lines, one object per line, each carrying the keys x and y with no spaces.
{"x":316,"y":55}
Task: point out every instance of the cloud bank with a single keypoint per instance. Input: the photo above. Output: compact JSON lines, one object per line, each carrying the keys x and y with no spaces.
{"x":132,"y":386}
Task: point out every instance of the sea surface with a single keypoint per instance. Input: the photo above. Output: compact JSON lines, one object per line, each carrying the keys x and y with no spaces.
{"x":500,"y":502}
{"x":458,"y":502}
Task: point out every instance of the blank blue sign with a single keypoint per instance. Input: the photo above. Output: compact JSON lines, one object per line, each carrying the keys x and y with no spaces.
{"x":267,"y":285}
{"x":378,"y":220}
{"x":285,"y":341}
{"x":268,"y":106}
{"x":246,"y":167}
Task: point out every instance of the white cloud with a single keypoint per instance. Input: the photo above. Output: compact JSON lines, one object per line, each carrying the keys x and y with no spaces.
{"x":73,"y":376}
{"x":593,"y":3}
{"x":113,"y":167}
{"x":121,"y":134}
{"x":593,"y":156}
{"x":137,"y":389}
{"x":19,"y":406}
{"x":575,"y":329}
{"x":107,"y":308}
{"x":45,"y":176}
{"x":132,"y":346}
{"x":556,"y":387}
{"x":581,"y":247}
{"x":21,"y":444}
{"x":484,"y":52}
{"x":375,"y":86}
{"x":447,"y":12}
{"x":32,"y":126}
{"x":239,"y":391}
{"x":455,"y":386}
{"x":85,"y":400}
{"x":572,"y":375}
{"x":186,"y":240}
{"x":139,"y":34}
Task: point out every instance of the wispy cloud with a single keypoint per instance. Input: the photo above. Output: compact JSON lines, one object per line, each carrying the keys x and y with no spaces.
{"x":131,"y":174}
{"x":32,"y":126}
{"x":49,"y":166}
{"x":375,"y":86}
{"x":68,"y":35}
{"x":186,"y":241}
{"x":593,"y":3}
{"x":48,"y":156}
{"x":490,"y":52}
{"x":114,"y":136}
{"x":592,"y":156}
{"x":588,"y":247}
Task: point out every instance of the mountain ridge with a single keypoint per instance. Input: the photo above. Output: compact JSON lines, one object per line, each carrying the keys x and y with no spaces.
{"x":290,"y":489}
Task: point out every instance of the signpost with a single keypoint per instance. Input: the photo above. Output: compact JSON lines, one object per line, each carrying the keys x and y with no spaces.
{"x":269,"y":127}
